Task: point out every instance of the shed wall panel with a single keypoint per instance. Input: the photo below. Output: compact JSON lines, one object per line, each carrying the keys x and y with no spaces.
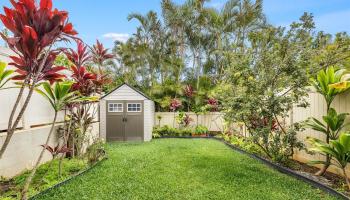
{"x":103,"y":131}
{"x":125,"y":93}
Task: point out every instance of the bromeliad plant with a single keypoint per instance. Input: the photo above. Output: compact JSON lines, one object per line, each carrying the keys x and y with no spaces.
{"x":338,"y":149}
{"x":5,"y":75}
{"x":35,"y":29}
{"x":329,"y":83}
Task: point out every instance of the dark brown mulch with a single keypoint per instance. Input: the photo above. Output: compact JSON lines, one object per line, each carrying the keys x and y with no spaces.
{"x":6,"y":186}
{"x":330,"y":179}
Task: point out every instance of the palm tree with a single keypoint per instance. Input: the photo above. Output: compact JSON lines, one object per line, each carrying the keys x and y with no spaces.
{"x":58,"y":96}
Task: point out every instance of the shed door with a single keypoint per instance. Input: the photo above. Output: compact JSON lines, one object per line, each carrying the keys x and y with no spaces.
{"x":125,"y":120}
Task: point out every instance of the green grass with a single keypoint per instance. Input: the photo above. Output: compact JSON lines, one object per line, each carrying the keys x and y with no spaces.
{"x":69,"y":168}
{"x":182,"y":169}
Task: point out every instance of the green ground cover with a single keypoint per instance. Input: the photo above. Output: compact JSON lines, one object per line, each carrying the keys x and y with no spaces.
{"x":182,"y":169}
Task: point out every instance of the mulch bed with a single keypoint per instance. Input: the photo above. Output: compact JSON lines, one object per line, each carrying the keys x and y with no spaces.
{"x":330,"y":179}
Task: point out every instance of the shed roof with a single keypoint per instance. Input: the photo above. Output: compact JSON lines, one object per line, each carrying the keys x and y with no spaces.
{"x":133,"y":88}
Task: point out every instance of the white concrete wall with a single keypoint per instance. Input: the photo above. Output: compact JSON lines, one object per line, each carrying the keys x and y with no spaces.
{"x":214,"y":120}
{"x":25,"y":148}
{"x":25,"y":144}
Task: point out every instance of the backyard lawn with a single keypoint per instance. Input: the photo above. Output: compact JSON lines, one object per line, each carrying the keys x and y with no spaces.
{"x":182,"y":169}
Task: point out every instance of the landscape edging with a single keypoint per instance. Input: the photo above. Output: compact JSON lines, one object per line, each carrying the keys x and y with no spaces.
{"x":273,"y":165}
{"x":67,"y":180}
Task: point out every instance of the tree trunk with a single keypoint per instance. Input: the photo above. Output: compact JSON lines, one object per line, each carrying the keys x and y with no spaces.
{"x":12,"y":127}
{"x":29,"y":179}
{"x":328,"y":157}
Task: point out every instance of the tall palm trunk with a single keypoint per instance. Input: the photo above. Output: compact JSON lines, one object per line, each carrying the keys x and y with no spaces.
{"x":31,"y":176}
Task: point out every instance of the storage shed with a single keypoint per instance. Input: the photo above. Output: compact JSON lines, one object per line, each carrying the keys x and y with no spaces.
{"x":126,"y":114}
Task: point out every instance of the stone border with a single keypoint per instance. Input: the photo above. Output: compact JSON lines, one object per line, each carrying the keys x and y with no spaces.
{"x":273,"y":165}
{"x":67,"y":180}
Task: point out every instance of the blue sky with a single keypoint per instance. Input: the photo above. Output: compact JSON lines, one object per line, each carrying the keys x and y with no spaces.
{"x":107,"y":19}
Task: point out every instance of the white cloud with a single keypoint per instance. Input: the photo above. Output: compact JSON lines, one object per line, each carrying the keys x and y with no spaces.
{"x":121,"y":37}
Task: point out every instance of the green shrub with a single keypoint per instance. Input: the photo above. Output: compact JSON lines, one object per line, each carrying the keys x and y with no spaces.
{"x":169,"y":131}
{"x":96,"y":151}
{"x":201,"y":130}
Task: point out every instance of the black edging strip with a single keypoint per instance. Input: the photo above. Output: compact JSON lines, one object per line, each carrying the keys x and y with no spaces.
{"x":279,"y":168}
{"x":66,"y":181}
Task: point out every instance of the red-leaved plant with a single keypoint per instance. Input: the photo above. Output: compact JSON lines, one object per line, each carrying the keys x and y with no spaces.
{"x":100,"y":55}
{"x":213,"y":104}
{"x":175,"y":104}
{"x":80,"y":56}
{"x":188,"y":91}
{"x":35,"y":28}
{"x":55,"y":151}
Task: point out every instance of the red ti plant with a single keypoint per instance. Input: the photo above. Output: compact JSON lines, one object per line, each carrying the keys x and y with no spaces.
{"x":189,"y":94}
{"x":187,"y":120}
{"x":174,"y":105}
{"x":100,"y":55}
{"x":35,"y":29}
{"x":213,"y":104}
{"x":84,"y":81}
{"x":55,"y":151}
{"x":80,"y":56}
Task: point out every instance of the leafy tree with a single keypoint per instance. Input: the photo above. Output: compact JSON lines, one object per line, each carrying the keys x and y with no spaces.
{"x":263,"y":85}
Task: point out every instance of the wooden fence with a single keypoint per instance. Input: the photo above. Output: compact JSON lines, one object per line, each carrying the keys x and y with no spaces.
{"x":317,"y":109}
{"x":214,"y":121}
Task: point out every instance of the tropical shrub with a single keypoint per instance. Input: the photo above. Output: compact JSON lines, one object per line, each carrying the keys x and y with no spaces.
{"x":201,"y":130}
{"x":338,"y":149}
{"x":332,"y":123}
{"x":96,"y":151}
{"x":329,"y":83}
{"x":244,"y":143}
{"x":35,"y":29}
{"x":169,"y":131}
{"x":59,"y":96}
{"x":183,"y":119}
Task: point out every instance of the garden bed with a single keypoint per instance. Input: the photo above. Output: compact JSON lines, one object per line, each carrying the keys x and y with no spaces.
{"x":11,"y":188}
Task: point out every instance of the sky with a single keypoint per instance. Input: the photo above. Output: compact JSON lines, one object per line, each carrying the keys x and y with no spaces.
{"x":106,"y":20}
